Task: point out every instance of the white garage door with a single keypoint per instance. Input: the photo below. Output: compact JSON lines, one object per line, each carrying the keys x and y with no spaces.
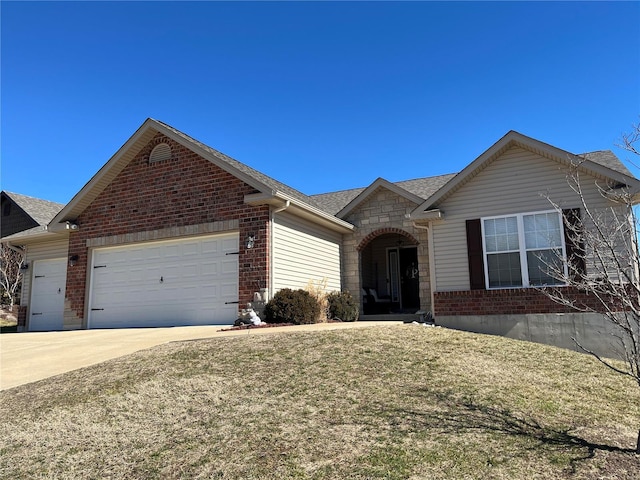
{"x":180,"y":282}
{"x":46,"y":309}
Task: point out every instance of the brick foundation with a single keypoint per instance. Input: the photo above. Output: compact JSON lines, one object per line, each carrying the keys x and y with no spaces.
{"x":507,"y":302}
{"x":22,"y":316}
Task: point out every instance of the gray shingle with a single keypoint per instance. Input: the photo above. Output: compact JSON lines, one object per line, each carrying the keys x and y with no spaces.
{"x":607,"y":159}
{"x":42,"y":211}
{"x":333,"y":202}
{"x":427,"y":186}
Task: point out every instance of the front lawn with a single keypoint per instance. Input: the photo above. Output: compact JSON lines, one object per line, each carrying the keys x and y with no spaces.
{"x":392,"y":402}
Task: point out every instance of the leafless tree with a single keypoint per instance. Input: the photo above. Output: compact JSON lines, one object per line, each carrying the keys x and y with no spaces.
{"x":629,"y":140}
{"x":603,"y":265}
{"x":11,"y":261}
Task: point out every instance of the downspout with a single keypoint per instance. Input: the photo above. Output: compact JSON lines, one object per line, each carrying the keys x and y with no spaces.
{"x":432,"y":270}
{"x":286,"y":205}
{"x":283,"y":208}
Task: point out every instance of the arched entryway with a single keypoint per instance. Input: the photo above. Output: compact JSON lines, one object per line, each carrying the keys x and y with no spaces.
{"x":389,"y":272}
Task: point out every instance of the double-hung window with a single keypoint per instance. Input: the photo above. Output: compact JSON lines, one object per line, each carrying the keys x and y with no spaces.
{"x":523,"y":250}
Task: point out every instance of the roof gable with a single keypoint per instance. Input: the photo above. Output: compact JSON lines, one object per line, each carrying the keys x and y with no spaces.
{"x":367,"y":192}
{"x":334,"y":202}
{"x":603,"y":164}
{"x":265,"y":185}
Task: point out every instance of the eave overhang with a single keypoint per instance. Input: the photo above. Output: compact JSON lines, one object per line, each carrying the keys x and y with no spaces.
{"x":516,"y":139}
{"x":280,"y":200}
{"x":33,"y":235}
{"x":145,"y":133}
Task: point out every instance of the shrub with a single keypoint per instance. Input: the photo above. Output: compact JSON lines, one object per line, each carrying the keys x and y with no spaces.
{"x":342,"y":306}
{"x":292,"y":306}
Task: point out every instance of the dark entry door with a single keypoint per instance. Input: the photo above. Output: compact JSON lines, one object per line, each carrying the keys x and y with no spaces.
{"x":409,"y":280}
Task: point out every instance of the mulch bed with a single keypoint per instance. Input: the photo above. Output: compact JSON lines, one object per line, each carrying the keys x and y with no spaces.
{"x":251,"y":326}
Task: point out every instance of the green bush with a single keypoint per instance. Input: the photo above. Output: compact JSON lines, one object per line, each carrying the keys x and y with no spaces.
{"x":342,"y":306}
{"x":292,"y":306}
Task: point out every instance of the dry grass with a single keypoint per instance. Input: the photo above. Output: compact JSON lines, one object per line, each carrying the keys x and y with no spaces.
{"x":400,"y":402}
{"x":7,"y":318}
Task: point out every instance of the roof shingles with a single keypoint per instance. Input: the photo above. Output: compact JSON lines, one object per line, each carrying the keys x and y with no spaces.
{"x":42,"y":211}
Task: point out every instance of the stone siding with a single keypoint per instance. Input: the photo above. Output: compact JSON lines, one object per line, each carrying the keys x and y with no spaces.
{"x":382,"y":213}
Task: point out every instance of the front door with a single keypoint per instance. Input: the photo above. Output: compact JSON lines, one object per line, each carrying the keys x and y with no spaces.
{"x":409,"y":279}
{"x":403,"y":277}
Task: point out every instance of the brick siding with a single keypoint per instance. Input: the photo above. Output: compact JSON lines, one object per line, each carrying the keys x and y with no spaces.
{"x":183,"y":190}
{"x":22,"y":315}
{"x":507,"y":302}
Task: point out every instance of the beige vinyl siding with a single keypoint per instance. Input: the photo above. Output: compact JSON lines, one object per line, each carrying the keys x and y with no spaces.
{"x":303,"y":251}
{"x":40,"y":251}
{"x":516,"y":182}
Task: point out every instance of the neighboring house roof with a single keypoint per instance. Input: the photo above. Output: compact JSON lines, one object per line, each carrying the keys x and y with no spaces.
{"x":602,"y":164}
{"x":42,"y":211}
{"x":34,"y":213}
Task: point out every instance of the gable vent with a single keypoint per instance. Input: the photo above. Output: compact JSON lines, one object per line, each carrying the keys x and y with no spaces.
{"x":160,"y":152}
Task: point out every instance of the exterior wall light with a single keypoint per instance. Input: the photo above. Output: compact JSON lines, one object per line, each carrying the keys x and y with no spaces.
{"x":73,"y":259}
{"x":251,"y":240}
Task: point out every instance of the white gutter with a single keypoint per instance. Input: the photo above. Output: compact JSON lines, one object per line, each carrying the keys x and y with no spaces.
{"x":276,"y":199}
{"x":434,"y":214}
{"x":283,"y":208}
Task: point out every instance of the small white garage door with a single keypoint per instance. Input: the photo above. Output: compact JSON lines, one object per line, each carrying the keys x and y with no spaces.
{"x":46,"y":309}
{"x":180,"y":282}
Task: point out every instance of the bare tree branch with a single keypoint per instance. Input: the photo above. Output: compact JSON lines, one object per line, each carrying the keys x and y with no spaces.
{"x":11,"y":262}
{"x":602,"y":273}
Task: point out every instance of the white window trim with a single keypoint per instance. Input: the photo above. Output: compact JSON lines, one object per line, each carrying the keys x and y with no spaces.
{"x":522,"y":250}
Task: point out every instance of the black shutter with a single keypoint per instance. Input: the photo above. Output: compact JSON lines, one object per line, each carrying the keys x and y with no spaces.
{"x":474,"y":252}
{"x":574,"y":242}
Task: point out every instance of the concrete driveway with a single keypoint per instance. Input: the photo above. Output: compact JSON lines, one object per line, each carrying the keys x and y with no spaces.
{"x":31,"y":356}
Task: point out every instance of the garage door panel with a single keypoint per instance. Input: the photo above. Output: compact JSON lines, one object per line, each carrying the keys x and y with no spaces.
{"x":191,"y":250}
{"x":210,"y":269}
{"x":228,"y":266}
{"x":229,"y":245}
{"x":183,"y":282}
{"x":210,"y":246}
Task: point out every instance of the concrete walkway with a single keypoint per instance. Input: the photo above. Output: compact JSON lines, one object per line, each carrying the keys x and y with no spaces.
{"x":31,"y":356}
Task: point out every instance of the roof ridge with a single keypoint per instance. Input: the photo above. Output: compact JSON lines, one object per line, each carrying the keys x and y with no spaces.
{"x":429,"y":177}
{"x":7,"y":192}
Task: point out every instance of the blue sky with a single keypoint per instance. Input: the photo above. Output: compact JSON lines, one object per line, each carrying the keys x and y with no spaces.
{"x":322,"y":96}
